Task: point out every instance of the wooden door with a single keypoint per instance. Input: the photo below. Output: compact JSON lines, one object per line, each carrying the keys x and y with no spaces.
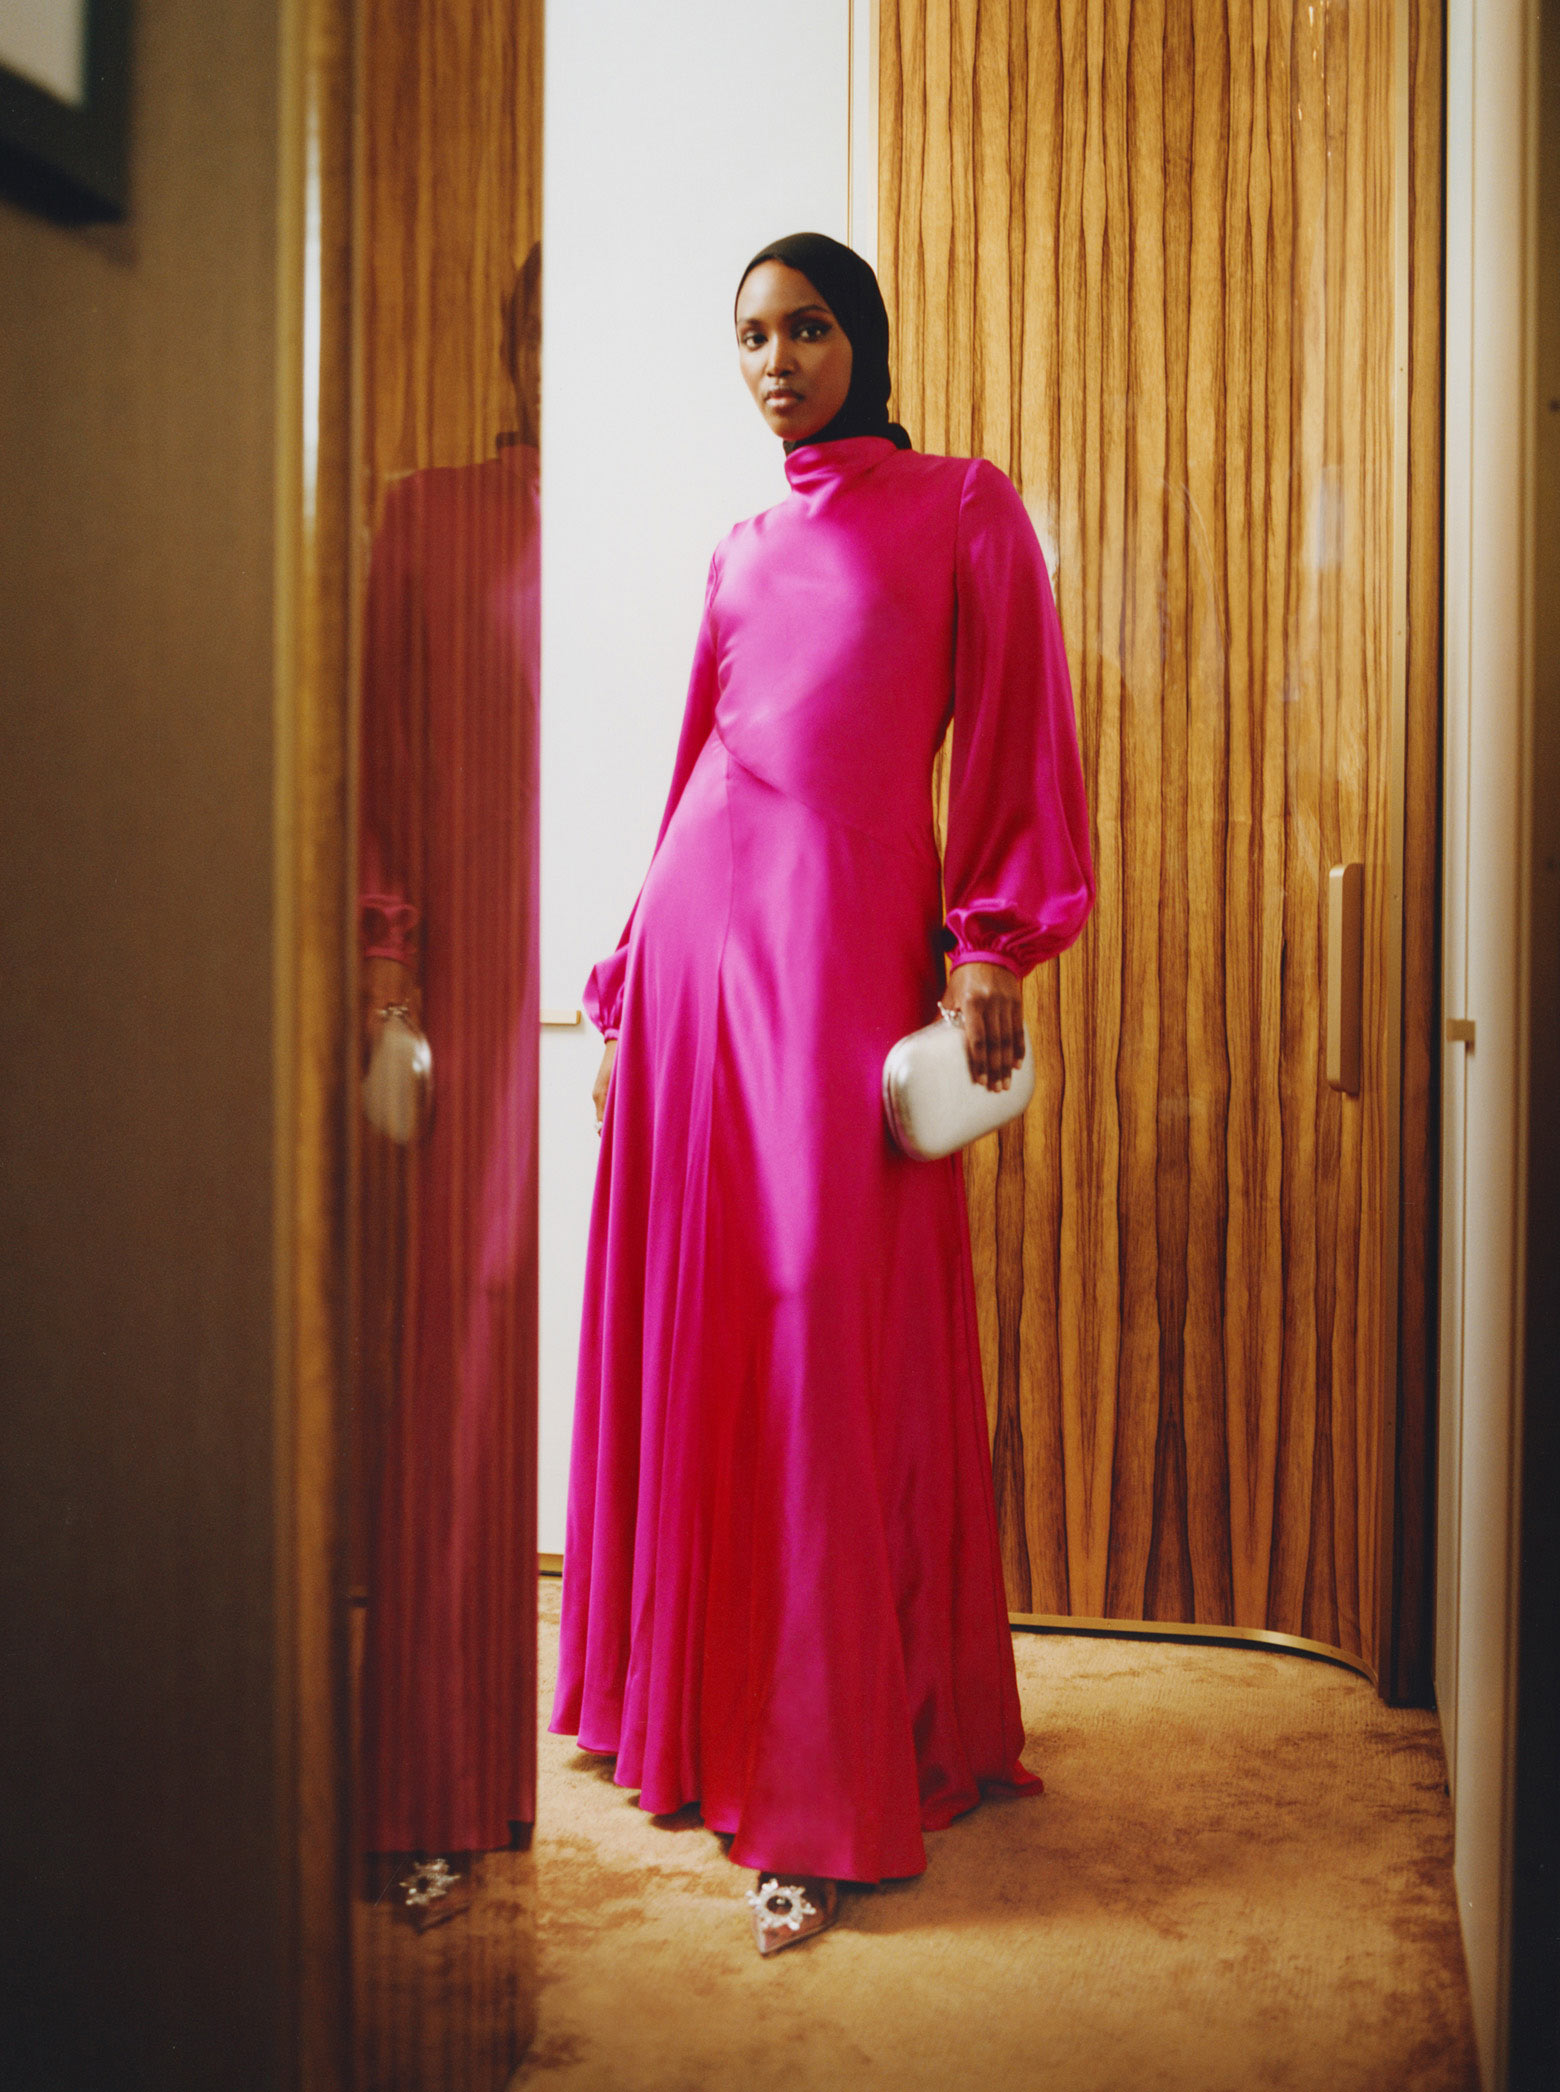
{"x":1153,"y":259}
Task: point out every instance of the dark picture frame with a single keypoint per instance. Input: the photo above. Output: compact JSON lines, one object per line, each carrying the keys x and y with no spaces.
{"x":71,"y":161}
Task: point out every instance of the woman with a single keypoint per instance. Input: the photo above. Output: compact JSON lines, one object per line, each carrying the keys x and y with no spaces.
{"x":783,"y":1595}
{"x":447,"y":897}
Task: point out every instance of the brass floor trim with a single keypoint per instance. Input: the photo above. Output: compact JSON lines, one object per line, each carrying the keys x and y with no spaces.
{"x":1145,"y":1631}
{"x":1185,"y":1631}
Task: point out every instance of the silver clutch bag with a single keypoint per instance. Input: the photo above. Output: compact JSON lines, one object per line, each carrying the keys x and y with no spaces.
{"x":932,"y":1102}
{"x":398,"y":1088}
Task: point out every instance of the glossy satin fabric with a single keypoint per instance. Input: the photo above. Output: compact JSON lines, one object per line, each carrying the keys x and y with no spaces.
{"x":447,"y":1357}
{"x":783,"y":1595}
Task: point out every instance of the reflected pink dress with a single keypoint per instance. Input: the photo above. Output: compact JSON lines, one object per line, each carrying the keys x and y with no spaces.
{"x":448,"y":885}
{"x":783,"y":1595}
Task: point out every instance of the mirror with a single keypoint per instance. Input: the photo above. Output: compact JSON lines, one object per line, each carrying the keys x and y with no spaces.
{"x":443,"y":1535}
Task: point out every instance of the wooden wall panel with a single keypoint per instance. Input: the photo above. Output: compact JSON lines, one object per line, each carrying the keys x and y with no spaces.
{"x":1144,"y":258}
{"x":451,"y":184}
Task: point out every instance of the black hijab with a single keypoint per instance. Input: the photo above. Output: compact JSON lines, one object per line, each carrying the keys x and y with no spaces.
{"x":848,"y":286}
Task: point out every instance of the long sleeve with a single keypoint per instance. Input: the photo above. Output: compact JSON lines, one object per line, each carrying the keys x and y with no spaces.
{"x":390,"y":847}
{"x":603,"y":996}
{"x":1017,"y":869}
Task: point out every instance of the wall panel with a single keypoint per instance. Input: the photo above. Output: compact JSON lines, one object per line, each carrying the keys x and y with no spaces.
{"x":1147,"y":259}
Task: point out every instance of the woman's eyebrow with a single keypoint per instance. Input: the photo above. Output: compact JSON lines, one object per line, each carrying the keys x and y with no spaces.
{"x":816,"y":305}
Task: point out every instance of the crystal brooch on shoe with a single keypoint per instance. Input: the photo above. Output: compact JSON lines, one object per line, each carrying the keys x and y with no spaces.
{"x":780,"y":1904}
{"x":427,"y":1883}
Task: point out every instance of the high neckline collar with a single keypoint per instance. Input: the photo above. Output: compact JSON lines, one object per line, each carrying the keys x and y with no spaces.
{"x":814,"y":467}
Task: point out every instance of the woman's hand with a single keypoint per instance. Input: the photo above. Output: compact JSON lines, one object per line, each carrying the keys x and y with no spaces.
{"x":990,"y":1003}
{"x":598,"y":1095}
{"x":383,"y":984}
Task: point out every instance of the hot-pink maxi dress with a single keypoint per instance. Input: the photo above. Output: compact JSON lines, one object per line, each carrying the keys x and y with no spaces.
{"x":448,"y":872}
{"x":782,"y":1589}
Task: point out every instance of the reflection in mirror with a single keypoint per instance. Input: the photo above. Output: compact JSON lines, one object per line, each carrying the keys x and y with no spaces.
{"x":447,"y":894}
{"x":443,"y":1513}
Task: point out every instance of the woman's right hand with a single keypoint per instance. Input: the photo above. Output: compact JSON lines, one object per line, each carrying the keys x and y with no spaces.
{"x":990,"y":1005}
{"x":598,"y":1095}
{"x":382,"y":984}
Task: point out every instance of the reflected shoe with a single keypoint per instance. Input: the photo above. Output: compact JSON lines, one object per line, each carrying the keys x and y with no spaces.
{"x":787,"y":1912}
{"x":433,"y":1891}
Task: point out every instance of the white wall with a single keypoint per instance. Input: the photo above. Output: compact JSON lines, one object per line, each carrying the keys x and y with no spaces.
{"x":1490,"y":67}
{"x":678,"y":140}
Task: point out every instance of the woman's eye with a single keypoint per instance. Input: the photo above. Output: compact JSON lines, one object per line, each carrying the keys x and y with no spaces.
{"x":812,"y":330}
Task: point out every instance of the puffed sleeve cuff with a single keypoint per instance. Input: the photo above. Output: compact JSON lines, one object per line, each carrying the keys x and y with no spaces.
{"x":1017,"y":869}
{"x":387,"y":927}
{"x":959,"y":957}
{"x":1002,"y":936}
{"x":603,"y":996}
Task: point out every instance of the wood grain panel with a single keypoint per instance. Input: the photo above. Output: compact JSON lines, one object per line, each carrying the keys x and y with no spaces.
{"x":451,"y":184}
{"x":1144,"y":258}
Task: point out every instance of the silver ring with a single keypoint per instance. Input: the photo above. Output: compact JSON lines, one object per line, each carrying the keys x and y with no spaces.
{"x":950,"y":1016}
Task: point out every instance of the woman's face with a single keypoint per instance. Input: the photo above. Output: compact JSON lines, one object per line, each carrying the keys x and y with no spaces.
{"x":526,"y":371}
{"x":795,"y":354}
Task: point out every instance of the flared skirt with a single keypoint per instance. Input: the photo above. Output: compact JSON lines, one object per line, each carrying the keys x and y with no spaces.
{"x":782,"y":1587}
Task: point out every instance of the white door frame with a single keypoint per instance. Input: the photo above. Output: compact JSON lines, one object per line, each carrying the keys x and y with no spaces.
{"x":1491,"y":79}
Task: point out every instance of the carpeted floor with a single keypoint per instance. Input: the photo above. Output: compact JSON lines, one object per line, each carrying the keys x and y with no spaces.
{"x":1239,"y":1878}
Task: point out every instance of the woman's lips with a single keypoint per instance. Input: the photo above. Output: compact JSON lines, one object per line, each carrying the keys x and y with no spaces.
{"x":782,"y":396}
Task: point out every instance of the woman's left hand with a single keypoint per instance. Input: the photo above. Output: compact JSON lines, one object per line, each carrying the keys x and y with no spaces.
{"x":990,"y":1003}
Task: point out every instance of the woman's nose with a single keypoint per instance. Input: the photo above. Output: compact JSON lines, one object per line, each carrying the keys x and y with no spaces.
{"x":779,"y":357}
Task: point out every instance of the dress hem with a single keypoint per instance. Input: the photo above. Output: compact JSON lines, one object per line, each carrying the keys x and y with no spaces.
{"x":1017,"y":1784}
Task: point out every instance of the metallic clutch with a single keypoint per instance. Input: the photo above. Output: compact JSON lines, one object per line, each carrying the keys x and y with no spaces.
{"x":398,"y":1088}
{"x":932,"y":1102}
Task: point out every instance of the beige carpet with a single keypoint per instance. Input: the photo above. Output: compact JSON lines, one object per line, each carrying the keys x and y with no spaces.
{"x":1239,"y":1878}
